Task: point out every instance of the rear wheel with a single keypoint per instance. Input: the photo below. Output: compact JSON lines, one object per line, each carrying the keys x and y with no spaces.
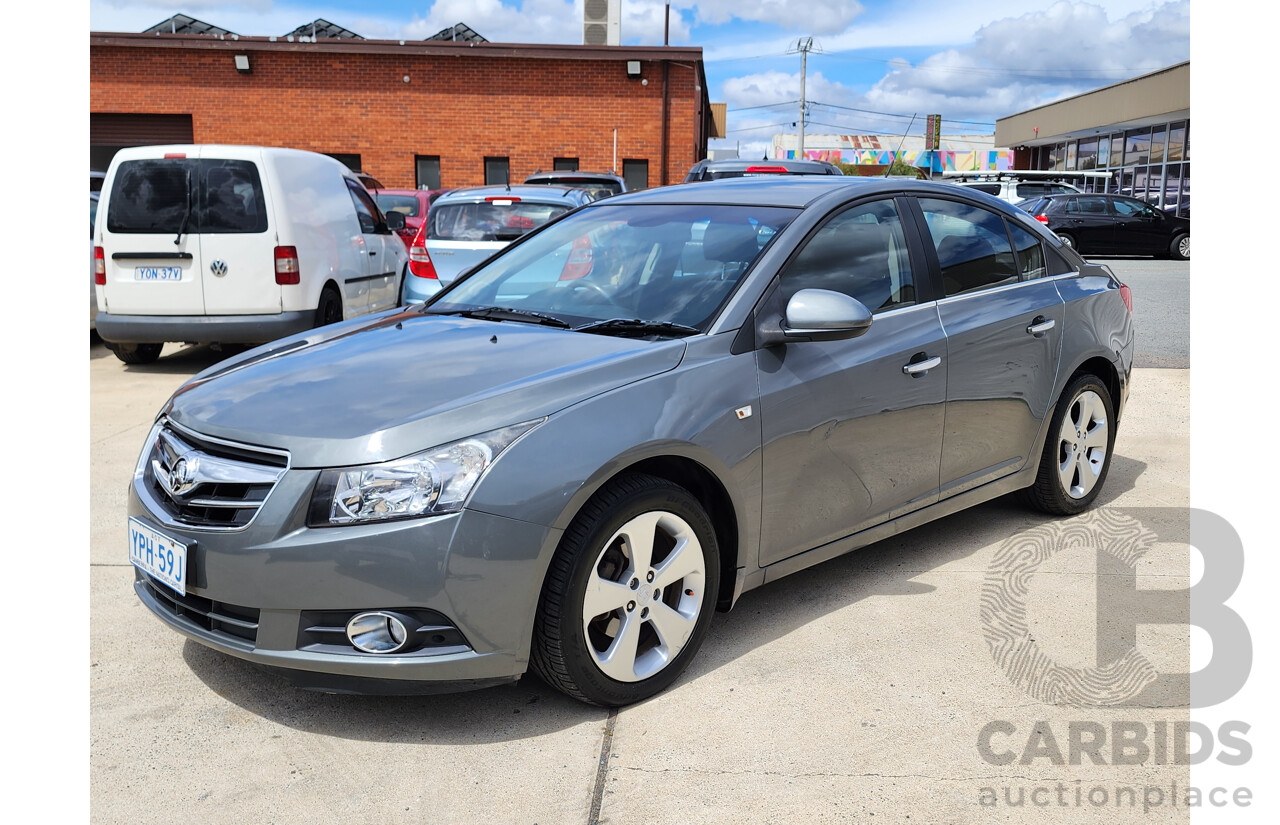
{"x":1180,"y":248}
{"x":136,"y":353}
{"x":1067,"y":240}
{"x":329,"y":310}
{"x":629,"y":595}
{"x":1077,"y":450}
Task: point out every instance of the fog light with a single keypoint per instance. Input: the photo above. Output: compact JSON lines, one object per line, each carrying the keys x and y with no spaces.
{"x":379,"y":631}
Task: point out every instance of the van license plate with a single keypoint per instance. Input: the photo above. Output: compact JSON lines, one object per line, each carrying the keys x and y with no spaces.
{"x":157,"y":273}
{"x":158,"y":555}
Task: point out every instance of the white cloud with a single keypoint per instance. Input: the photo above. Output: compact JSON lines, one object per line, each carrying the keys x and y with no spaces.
{"x":812,"y":18}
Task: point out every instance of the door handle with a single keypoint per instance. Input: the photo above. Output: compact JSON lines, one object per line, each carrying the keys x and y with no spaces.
{"x":921,"y":367}
{"x":372,"y":252}
{"x":1040,"y":326}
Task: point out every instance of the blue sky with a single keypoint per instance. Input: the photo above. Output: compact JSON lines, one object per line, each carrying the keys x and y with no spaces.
{"x":875,"y":63}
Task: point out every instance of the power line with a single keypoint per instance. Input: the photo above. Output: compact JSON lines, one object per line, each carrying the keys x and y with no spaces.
{"x":890,"y":114}
{"x":765,"y":106}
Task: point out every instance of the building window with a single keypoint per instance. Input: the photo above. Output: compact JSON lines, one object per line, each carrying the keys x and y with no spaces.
{"x":1157,"y":145}
{"x":497,"y":171}
{"x":1071,"y":155}
{"x":426,"y":171}
{"x":1117,"y":150}
{"x":1104,"y":153}
{"x":1176,"y":136}
{"x":1088,"y":157}
{"x":565,"y":165}
{"x":352,"y":162}
{"x":1137,"y":147}
{"x":636,"y":174}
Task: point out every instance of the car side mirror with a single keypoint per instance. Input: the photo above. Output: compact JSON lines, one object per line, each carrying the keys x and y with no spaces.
{"x":395,"y":221}
{"x":817,"y":315}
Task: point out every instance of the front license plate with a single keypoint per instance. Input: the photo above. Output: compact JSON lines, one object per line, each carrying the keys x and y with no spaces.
{"x":157,"y":555}
{"x":157,"y":273}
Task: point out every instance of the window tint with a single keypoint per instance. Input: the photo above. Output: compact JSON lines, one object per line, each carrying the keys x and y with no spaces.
{"x":1130,"y":209}
{"x":1086,"y":206}
{"x":1030,"y":253}
{"x":152,"y":196}
{"x":365,"y":210}
{"x":861,"y":252}
{"x":989,"y":188}
{"x":1033,"y":190}
{"x":232,"y":199}
{"x":407,"y":204}
{"x":488,"y":220}
{"x":973,"y":248}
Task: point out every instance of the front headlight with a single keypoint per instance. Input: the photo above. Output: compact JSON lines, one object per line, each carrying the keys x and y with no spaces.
{"x":429,"y":483}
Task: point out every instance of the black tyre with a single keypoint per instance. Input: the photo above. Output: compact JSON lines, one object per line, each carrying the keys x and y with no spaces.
{"x":329,"y":310}
{"x":1067,"y":240}
{"x":1180,"y":248}
{"x":1077,"y":450}
{"x":629,"y":595}
{"x":137,"y":353}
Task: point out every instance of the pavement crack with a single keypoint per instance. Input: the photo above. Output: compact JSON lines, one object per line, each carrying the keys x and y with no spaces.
{"x":602,"y":768}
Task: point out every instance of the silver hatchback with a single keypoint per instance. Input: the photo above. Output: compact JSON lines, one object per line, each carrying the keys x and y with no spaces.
{"x":630,"y":417}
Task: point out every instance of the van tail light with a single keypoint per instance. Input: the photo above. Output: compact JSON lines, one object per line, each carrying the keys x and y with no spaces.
{"x":99,"y":267}
{"x":287,"y":270}
{"x":581,"y":257}
{"x":1044,"y":219}
{"x":1126,"y":295}
{"x":419,"y":261}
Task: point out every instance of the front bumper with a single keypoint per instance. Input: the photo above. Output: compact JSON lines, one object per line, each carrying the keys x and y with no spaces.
{"x":259,"y":592}
{"x":225,"y":329}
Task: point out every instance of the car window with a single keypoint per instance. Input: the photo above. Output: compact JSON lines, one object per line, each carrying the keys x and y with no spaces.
{"x":1131,"y":209}
{"x":93,"y":212}
{"x":659,"y":263}
{"x":1030,"y":253}
{"x":231,"y":198}
{"x":408,"y":204}
{"x":989,"y":188}
{"x":861,"y":252}
{"x":972,"y":245}
{"x":1086,"y":206}
{"x":365,"y":209}
{"x":1032,"y":190}
{"x":499,"y":219}
{"x":1059,"y":189}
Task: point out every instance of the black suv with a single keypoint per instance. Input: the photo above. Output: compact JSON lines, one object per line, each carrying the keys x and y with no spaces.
{"x":737,"y":168}
{"x":1097,"y":224}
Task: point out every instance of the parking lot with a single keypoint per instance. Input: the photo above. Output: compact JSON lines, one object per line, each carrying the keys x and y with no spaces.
{"x":862,"y":689}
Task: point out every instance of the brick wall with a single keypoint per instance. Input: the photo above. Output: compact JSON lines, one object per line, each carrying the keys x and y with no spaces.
{"x":459,"y":107}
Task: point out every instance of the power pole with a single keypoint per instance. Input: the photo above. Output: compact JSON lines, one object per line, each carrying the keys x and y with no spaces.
{"x":804,"y":46}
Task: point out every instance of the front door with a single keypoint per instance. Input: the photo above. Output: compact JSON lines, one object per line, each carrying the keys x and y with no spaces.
{"x":850,"y":438}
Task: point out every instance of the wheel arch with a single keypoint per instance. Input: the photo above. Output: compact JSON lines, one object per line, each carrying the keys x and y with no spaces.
{"x":1105,"y":371}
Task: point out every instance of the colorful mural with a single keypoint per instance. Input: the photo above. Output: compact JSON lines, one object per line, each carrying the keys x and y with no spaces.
{"x":991,"y":160}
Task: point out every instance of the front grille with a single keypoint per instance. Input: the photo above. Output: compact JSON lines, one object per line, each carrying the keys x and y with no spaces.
{"x":325,"y":631}
{"x":235,"y":624}
{"x":210,"y":483}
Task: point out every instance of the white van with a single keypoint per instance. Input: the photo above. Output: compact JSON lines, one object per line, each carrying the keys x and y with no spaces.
{"x":236,"y":244}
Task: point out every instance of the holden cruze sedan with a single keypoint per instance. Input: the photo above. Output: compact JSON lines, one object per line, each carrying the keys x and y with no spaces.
{"x":566,"y":460}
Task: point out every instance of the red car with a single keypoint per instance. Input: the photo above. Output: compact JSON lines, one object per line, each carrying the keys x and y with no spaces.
{"x":414,"y":203}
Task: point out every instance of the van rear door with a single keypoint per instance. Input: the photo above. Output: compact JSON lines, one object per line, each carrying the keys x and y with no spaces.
{"x":152,"y":253}
{"x":237,"y":243}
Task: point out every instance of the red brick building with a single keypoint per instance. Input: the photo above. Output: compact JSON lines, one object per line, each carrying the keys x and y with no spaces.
{"x":410,"y":113}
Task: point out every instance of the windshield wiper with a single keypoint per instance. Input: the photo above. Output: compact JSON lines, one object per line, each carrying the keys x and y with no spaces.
{"x":527,"y":316}
{"x":186,"y":217}
{"x":635,"y":326}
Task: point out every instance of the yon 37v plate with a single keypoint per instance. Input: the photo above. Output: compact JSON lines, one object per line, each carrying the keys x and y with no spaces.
{"x":157,"y":273}
{"x":158,"y":555}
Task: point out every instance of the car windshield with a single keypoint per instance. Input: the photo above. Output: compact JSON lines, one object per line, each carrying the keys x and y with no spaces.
{"x":407,"y":204}
{"x":493,"y":219}
{"x":654,"y":263}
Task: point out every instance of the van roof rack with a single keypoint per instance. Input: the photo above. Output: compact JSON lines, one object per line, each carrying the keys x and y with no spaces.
{"x":1023,"y":174}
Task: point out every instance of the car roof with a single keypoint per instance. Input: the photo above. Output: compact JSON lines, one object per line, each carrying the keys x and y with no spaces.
{"x":541,"y":193}
{"x":739,"y":163}
{"x":781,"y":190}
{"x":575,"y":175}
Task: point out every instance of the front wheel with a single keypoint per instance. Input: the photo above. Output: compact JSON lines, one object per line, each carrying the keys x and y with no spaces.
{"x":1077,"y":450}
{"x":629,"y":595}
{"x":1180,"y":248}
{"x":137,"y":353}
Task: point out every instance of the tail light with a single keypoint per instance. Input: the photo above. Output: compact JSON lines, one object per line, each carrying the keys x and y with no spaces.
{"x":287,"y":271}
{"x":99,"y":267}
{"x":771,"y":170}
{"x":1126,"y":295}
{"x":1044,"y":219}
{"x":419,"y":261}
{"x":581,"y":257}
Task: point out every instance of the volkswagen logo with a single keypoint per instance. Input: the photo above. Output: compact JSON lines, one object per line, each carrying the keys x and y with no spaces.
{"x":218,"y":267}
{"x":182,"y":475}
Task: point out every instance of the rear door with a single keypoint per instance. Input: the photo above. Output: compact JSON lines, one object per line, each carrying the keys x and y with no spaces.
{"x":237,"y":241}
{"x":1089,"y":220}
{"x":152,"y":254}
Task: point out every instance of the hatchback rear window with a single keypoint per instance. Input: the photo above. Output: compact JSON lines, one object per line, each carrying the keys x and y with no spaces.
{"x":597,"y":187}
{"x":496,"y":220}
{"x":172,"y":195}
{"x":407,"y":204}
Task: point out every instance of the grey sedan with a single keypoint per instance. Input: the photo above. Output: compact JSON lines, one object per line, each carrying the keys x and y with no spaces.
{"x":568,"y":459}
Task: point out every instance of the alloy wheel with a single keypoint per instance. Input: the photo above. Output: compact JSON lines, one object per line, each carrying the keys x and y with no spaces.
{"x":1082,"y":445}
